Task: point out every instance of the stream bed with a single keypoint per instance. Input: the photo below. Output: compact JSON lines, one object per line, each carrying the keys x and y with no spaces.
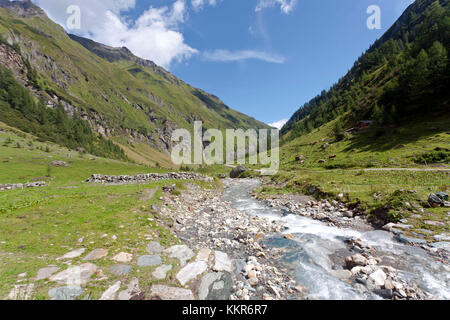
{"x":311,"y":255}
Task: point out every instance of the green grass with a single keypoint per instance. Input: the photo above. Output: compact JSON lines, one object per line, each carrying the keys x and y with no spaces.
{"x":359,"y":188}
{"x":395,"y":147}
{"x":41,"y":224}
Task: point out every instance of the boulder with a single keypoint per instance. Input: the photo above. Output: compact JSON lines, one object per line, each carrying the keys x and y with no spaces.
{"x":180,"y":252}
{"x":236,"y":172}
{"x":96,"y":254}
{"x":355,"y":260}
{"x":123,"y":257}
{"x":378,"y":277}
{"x":434,"y":200}
{"x":216,"y":286}
{"x":120,"y":270}
{"x":72,"y":254}
{"x":65,"y":293}
{"x":222,"y":262}
{"x":160,"y":273}
{"x":160,"y":292}
{"x":132,"y":292}
{"x":154,"y":248}
{"x":149,"y":261}
{"x":111,"y":292}
{"x":45,"y":273}
{"x":191,"y":271}
{"x":442,"y":195}
{"x":75,"y":276}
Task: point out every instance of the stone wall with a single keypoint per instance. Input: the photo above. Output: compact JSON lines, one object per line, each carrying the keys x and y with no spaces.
{"x":141,"y":178}
{"x":5,"y":187}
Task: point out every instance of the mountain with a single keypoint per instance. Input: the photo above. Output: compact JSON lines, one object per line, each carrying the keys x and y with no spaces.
{"x":402,"y":78}
{"x":87,"y":95}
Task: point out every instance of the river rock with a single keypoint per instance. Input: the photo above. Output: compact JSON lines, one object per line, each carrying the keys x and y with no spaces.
{"x":65,"y":293}
{"x":442,"y":237}
{"x":203,"y":255}
{"x":161,"y":292}
{"x":111,"y":292}
{"x":120,"y":270}
{"x":160,"y":273}
{"x":384,"y":293}
{"x":154,"y":248}
{"x":378,"y":277}
{"x":96,"y":254}
{"x":342,"y":274}
{"x":355,"y":260}
{"x":123,"y":257}
{"x":441,"y":245}
{"x":180,"y":252}
{"x":401,"y":238}
{"x":222,"y":262}
{"x":72,"y":254}
{"x":191,"y":271}
{"x":149,"y":261}
{"x":75,"y":276}
{"x":45,"y":273}
{"x":216,"y":286}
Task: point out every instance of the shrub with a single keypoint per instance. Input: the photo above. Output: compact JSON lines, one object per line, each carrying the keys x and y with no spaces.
{"x":436,"y":156}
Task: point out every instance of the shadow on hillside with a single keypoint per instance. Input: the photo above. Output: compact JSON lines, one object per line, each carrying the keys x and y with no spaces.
{"x":388,"y":138}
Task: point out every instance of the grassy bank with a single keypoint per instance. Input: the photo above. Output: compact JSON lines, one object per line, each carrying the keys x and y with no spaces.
{"x":39,"y":225}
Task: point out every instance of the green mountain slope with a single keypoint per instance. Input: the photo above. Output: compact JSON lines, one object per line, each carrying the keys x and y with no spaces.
{"x":402,"y":78}
{"x":125,"y":99}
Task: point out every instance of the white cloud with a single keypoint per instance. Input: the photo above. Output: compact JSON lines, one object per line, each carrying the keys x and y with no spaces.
{"x":279,"y":124}
{"x":199,"y":4}
{"x":154,"y":35}
{"x":286,"y":6}
{"x":230,"y":56}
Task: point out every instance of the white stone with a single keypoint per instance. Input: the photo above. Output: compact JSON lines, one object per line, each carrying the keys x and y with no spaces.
{"x":75,"y":276}
{"x":111,"y":293}
{"x":72,"y":254}
{"x":378,"y":277}
{"x":123,"y":257}
{"x":21,"y":292}
{"x":131,"y":291}
{"x":203,"y":255}
{"x":222,"y":262}
{"x":191,"y":271}
{"x":171,"y":293}
{"x":181,"y":252}
{"x":160,"y":273}
{"x":45,"y":273}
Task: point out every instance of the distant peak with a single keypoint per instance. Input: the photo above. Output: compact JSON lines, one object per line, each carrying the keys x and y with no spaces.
{"x":23,"y":8}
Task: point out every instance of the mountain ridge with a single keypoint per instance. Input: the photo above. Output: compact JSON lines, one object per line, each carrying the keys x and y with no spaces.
{"x":404,"y":38}
{"x":126,"y":99}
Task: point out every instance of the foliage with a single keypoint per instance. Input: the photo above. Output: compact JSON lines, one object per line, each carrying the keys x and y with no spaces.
{"x":20,"y":109}
{"x":404,"y":74}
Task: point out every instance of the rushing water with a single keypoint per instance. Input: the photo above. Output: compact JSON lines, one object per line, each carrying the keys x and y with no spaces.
{"x":315,"y":241}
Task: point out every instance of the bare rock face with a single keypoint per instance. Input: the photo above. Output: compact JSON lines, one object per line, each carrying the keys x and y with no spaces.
{"x":13,"y":61}
{"x":24,"y":8}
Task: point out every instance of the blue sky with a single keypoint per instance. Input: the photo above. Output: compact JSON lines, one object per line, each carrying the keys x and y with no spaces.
{"x":264,"y":58}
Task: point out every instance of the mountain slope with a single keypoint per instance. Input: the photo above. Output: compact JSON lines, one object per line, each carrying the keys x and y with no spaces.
{"x":402,"y":77}
{"x":126,"y":99}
